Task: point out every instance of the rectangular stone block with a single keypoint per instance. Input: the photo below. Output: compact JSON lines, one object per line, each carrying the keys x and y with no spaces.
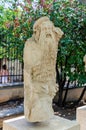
{"x":56,"y":123}
{"x":81,"y":117}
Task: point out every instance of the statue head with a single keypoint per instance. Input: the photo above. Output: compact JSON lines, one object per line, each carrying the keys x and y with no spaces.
{"x":44,"y":29}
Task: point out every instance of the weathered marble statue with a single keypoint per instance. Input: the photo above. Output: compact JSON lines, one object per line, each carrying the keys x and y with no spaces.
{"x":39,"y":70}
{"x":85,"y":62}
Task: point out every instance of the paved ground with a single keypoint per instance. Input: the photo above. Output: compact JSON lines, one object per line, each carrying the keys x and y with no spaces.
{"x":62,"y":112}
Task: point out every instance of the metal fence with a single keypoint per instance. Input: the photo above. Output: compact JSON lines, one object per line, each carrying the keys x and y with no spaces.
{"x":11,"y":64}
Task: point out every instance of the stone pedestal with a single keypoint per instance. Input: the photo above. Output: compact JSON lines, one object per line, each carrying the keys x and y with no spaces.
{"x":81,"y":117}
{"x":56,"y":123}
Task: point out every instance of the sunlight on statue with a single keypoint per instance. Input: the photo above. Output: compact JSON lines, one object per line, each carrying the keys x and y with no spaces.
{"x":40,"y":54}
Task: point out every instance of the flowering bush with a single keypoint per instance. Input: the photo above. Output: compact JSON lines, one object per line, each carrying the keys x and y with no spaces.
{"x":16,"y":27}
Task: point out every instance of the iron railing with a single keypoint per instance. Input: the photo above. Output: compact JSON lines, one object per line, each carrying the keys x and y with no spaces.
{"x":11,"y":64}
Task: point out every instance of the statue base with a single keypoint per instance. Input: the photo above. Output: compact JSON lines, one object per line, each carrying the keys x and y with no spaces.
{"x":56,"y":123}
{"x":81,"y":117}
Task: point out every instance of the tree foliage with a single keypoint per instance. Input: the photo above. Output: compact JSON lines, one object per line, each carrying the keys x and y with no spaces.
{"x":16,"y":23}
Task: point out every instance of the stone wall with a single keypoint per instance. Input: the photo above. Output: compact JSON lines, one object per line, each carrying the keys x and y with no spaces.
{"x":11,"y":91}
{"x":73,"y":94}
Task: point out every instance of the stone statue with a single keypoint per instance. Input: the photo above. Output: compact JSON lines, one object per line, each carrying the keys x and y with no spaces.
{"x":39,"y":70}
